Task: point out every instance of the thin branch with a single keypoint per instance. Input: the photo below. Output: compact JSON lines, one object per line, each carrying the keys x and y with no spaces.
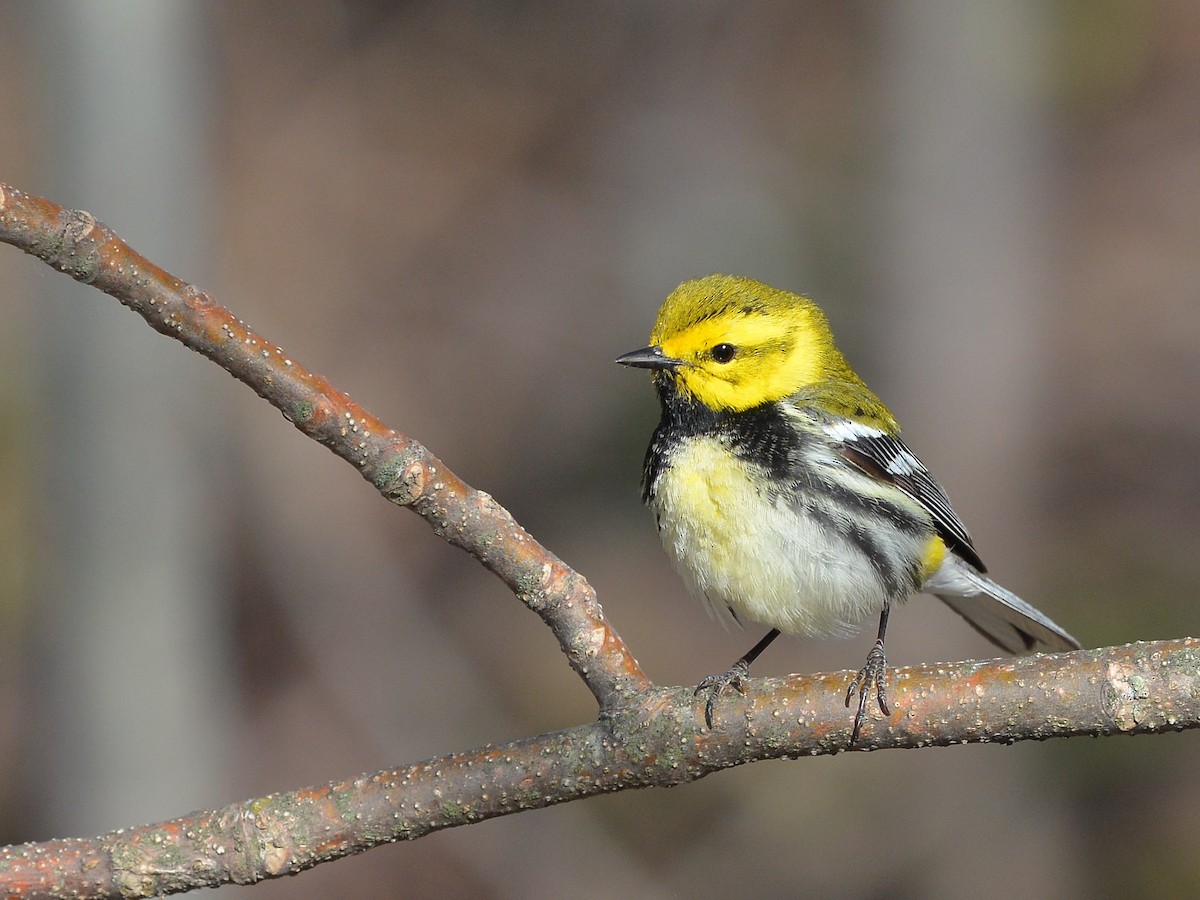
{"x":645,"y":735}
{"x":405,"y":472}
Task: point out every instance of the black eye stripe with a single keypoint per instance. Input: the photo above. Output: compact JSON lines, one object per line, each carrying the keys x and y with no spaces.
{"x":723,"y":353}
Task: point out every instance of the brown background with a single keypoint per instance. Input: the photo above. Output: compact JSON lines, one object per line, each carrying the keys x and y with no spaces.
{"x":461,"y":213}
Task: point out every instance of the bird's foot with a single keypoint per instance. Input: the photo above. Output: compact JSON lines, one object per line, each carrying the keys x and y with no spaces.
{"x":713,"y":686}
{"x":871,"y":677}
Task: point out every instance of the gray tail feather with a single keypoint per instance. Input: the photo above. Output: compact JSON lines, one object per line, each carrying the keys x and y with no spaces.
{"x":1005,"y":619}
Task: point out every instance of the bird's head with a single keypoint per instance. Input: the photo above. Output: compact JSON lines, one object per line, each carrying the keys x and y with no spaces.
{"x":733,"y":343}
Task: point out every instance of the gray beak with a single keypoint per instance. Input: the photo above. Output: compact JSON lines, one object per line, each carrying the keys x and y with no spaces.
{"x":649,"y":358}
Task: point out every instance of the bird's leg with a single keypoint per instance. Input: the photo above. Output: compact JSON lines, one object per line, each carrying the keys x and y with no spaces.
{"x":713,"y":685}
{"x":872,"y":675}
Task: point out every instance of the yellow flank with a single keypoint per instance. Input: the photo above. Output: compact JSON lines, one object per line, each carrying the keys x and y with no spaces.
{"x":934,"y":556}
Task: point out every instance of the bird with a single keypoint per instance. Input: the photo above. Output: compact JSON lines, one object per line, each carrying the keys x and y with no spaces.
{"x":784,"y":494}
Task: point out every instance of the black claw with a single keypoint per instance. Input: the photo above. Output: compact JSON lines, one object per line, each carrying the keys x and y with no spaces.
{"x":871,"y":677}
{"x":859,"y":717}
{"x":736,"y":676}
{"x":713,"y":685}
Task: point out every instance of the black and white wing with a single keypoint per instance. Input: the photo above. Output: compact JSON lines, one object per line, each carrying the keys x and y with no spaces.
{"x":994,"y":611}
{"x":888,"y":458}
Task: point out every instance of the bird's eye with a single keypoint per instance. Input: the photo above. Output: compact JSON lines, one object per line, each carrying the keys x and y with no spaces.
{"x":723,"y":353}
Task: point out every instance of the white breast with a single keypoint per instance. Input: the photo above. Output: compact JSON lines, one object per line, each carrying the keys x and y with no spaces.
{"x":760,"y":553}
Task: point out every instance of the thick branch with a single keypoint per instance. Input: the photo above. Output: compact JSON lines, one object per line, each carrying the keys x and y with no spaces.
{"x":405,"y":472}
{"x":1135,"y":689}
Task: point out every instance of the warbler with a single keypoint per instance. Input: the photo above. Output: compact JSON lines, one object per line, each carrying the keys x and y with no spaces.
{"x":784,"y":494}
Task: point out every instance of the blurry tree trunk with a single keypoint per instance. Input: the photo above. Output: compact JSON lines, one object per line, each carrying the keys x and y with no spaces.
{"x":962,"y":278}
{"x":131,"y":632}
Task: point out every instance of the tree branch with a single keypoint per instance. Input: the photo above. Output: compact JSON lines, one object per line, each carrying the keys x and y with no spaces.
{"x":405,"y":472}
{"x":662,"y":741}
{"x":645,"y":735}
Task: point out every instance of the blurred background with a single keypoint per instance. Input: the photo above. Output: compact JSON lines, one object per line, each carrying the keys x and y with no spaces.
{"x":461,"y":213}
